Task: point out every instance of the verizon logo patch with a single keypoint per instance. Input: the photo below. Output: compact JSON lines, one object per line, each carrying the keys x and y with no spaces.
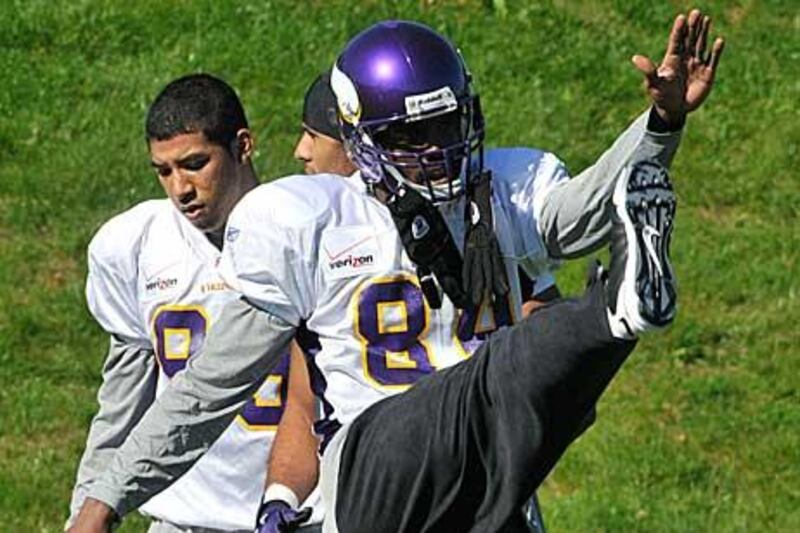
{"x":355,"y":261}
{"x":161,"y":284}
{"x":349,"y":252}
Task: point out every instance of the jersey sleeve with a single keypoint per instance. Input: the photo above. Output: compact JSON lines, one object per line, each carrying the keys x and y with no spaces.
{"x":111,"y":284}
{"x":523,"y":178}
{"x":128,"y":389}
{"x":270,"y":245}
{"x":549,"y":174}
{"x":243,"y":345}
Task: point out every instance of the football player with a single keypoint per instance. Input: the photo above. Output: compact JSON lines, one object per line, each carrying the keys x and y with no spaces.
{"x":386,"y":278}
{"x":321,"y":150}
{"x":155,"y":288}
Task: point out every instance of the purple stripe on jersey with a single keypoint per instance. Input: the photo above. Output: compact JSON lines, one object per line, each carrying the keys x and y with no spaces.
{"x":327,"y":426}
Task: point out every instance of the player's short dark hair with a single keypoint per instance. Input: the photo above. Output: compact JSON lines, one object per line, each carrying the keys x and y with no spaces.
{"x":193,"y":104}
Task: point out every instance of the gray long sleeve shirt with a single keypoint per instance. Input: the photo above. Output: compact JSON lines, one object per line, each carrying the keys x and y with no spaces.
{"x":128,"y":390}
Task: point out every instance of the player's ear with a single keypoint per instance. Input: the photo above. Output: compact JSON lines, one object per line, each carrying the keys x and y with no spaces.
{"x":242,"y":145}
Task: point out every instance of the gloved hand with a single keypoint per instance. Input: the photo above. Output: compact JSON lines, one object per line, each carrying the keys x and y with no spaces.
{"x":484,"y":270}
{"x":277,"y":516}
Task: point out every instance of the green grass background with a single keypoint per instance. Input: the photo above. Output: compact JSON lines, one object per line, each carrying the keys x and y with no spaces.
{"x":699,"y":432}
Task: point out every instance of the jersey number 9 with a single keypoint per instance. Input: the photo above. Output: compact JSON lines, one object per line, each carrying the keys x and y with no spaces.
{"x":179,"y":334}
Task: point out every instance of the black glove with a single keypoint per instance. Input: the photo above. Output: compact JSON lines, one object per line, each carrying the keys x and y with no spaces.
{"x":484,"y":270}
{"x":430,"y":246}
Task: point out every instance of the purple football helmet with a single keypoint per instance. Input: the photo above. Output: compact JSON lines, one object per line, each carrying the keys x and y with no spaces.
{"x":407,"y":110}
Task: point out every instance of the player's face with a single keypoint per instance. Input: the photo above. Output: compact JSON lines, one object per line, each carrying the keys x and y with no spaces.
{"x":322,"y":154}
{"x":198,"y":176}
{"x":423,"y":139}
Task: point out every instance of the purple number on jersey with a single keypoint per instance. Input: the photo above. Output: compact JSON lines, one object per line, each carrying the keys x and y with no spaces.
{"x":179,"y":334}
{"x":265,"y":413}
{"x":391,"y":320}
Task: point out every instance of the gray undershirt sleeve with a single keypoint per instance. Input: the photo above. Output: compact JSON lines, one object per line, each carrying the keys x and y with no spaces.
{"x":242,"y":347}
{"x":575,"y":218}
{"x":127,"y":391}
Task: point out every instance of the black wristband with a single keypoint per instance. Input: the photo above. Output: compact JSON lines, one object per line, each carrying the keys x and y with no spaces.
{"x":657,"y":124}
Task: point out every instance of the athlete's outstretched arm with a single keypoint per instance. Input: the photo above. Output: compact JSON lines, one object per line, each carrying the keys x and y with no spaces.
{"x":127,"y":391}
{"x":293,"y":460}
{"x":575,"y":217}
{"x":242,"y":347}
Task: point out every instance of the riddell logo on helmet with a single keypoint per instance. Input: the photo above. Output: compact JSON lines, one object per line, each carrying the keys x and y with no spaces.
{"x":440,"y":101}
{"x":352,"y":261}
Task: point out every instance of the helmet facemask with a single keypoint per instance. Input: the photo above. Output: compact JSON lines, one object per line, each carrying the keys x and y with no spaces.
{"x":435,"y":153}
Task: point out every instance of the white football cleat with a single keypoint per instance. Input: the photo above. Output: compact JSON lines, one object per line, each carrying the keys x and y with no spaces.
{"x":641,"y":283}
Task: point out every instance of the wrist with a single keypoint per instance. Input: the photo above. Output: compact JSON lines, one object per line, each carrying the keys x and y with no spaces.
{"x":278,"y":491}
{"x":663,"y":121}
{"x":98,"y":512}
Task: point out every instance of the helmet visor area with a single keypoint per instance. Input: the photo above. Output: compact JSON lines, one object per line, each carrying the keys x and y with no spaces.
{"x":443,"y":130}
{"x":433,"y":155}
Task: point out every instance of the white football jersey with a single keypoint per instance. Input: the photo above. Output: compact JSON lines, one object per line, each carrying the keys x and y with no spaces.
{"x":154,"y":281}
{"x":321,"y":253}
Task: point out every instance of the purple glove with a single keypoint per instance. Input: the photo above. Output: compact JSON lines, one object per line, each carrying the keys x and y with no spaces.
{"x":277,"y":516}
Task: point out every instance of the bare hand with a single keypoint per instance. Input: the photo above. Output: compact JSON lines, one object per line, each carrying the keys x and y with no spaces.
{"x":94,"y":517}
{"x":686,"y":74}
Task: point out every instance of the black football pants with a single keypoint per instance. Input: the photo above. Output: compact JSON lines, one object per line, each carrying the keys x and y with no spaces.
{"x":464,"y":448}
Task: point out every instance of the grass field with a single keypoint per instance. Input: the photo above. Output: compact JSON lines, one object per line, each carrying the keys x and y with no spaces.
{"x":699,"y":432}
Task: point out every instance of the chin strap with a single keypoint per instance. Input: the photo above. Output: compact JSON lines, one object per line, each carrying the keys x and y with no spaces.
{"x":429,"y":244}
{"x":484,"y":270}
